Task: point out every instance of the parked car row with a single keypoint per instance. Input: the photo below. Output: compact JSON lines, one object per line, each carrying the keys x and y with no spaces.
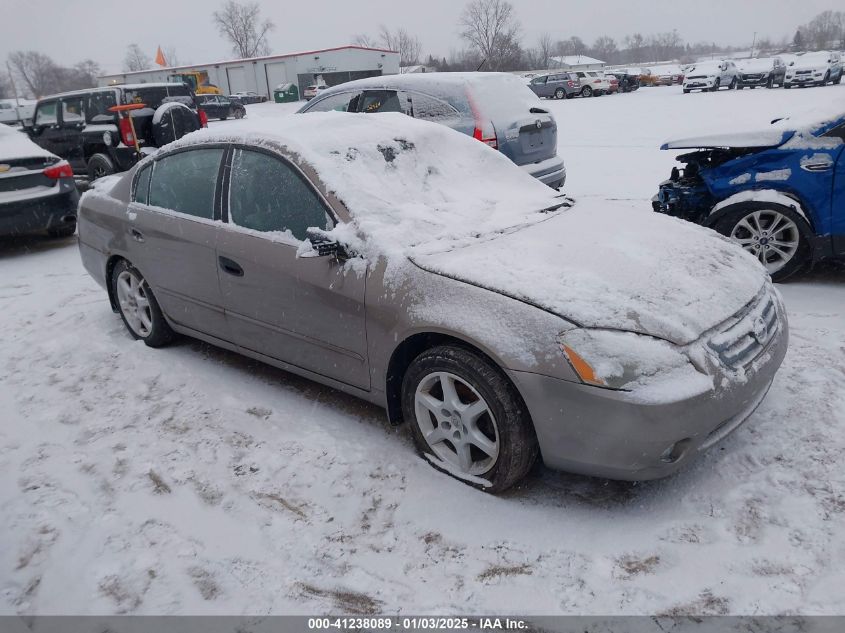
{"x":578,"y":83}
{"x":810,"y":69}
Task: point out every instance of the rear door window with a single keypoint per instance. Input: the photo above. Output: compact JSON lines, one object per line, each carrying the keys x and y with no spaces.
{"x":98,"y":107}
{"x":384,"y":101}
{"x":73,"y":110}
{"x":342,"y":102}
{"x":186,"y":182}
{"x":266,"y":194}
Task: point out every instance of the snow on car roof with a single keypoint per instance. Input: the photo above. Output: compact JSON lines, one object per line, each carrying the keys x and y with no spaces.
{"x":407,"y":183}
{"x":758,"y":63}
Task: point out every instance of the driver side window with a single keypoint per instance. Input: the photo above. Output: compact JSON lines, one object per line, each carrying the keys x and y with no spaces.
{"x":266,"y":194}
{"x":343,"y":102}
{"x":46,"y":114}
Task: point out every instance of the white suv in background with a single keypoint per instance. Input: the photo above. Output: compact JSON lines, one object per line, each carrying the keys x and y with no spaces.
{"x":814,"y":69}
{"x":593,"y":83}
{"x":711,"y":75}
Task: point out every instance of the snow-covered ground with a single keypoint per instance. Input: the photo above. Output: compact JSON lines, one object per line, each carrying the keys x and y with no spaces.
{"x":192,"y":480}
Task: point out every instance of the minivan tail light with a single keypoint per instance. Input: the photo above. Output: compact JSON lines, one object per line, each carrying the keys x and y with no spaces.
{"x":59,"y":170}
{"x":203,"y":118}
{"x":126,"y":133}
{"x":571,"y":83}
{"x":484,"y":130}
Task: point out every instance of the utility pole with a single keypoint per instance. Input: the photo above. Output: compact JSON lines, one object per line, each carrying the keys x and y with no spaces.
{"x":15,"y":91}
{"x":753,"y":42}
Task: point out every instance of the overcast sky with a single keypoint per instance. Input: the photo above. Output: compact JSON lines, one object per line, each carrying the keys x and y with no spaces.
{"x":72,"y":30}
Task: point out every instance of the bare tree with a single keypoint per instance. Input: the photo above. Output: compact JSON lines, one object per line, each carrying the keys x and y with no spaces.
{"x":491,"y":27}
{"x":407,"y":45}
{"x":5,"y":87}
{"x":824,"y":30}
{"x":40,"y":75}
{"x":605,"y":49}
{"x":362,"y":39}
{"x":242,"y":25}
{"x":136,"y":59}
{"x":545,"y":50}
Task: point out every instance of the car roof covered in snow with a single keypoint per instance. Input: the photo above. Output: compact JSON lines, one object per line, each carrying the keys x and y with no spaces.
{"x":406,"y":181}
{"x":16,"y":144}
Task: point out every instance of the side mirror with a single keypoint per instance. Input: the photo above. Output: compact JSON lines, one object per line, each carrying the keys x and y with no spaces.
{"x":322,"y":245}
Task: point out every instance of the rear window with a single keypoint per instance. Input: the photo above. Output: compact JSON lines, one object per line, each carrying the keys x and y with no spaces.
{"x":98,"y":106}
{"x":186,"y":181}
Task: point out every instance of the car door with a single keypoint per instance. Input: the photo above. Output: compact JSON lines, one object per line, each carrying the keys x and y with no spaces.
{"x":172,"y":232}
{"x":45,"y":130}
{"x":72,"y":124}
{"x":837,"y":203}
{"x":304,"y":311}
{"x":539,"y":86}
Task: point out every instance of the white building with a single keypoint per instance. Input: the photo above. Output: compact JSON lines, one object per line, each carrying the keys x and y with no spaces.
{"x":263,"y":74}
{"x":576,"y":62}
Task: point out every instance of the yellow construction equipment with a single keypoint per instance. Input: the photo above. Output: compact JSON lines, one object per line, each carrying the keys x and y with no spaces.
{"x":197,"y":81}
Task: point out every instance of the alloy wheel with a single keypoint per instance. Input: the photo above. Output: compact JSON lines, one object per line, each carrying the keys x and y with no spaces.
{"x":770,"y":236}
{"x":456,"y":423}
{"x":134,"y":304}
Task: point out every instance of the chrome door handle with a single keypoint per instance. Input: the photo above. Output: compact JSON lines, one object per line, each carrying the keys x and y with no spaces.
{"x":817,"y":166}
{"x":136,"y":235}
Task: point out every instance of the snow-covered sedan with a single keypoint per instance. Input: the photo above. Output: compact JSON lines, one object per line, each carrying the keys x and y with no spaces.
{"x":37,"y":190}
{"x":710,"y":76}
{"x":410,"y":265}
{"x":814,"y":69}
{"x":762,"y":71}
{"x":778,"y":192}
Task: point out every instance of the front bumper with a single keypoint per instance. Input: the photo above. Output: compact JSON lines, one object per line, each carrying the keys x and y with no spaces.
{"x":699,"y":84}
{"x":41,"y":213}
{"x":607,"y":433}
{"x":754,"y":80}
{"x":803,"y":80}
{"x":551,"y":171}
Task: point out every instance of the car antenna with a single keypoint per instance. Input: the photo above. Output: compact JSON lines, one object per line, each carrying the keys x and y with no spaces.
{"x":483,"y":61}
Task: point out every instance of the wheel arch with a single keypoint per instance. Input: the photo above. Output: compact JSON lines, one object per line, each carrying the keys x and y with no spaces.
{"x":111,"y":262}
{"x":785,"y":199}
{"x":409,"y":349}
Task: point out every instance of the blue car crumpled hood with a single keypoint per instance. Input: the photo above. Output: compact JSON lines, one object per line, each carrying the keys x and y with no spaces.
{"x":753,"y":139}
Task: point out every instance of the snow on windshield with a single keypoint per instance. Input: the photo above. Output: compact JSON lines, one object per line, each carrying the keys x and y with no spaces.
{"x":408,"y":184}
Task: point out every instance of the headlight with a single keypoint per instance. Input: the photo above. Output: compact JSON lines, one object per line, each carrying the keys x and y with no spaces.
{"x":632,"y":362}
{"x":107,"y":138}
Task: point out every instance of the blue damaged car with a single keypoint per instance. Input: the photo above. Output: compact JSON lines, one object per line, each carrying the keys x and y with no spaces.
{"x":778,"y":192}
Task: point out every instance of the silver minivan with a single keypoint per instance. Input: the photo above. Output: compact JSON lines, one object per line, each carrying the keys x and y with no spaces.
{"x":495,"y":108}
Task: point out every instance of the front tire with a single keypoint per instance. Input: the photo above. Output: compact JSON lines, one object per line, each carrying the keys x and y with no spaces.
{"x":138,"y":307}
{"x":771,"y":232}
{"x":586,"y":91}
{"x":100,"y":165}
{"x":560,"y":93}
{"x":464,"y":412}
{"x":715,"y":87}
{"x":733,"y":84}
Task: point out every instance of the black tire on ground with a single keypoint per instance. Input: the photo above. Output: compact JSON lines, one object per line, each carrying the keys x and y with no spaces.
{"x":770,"y":82}
{"x":160,"y":333}
{"x":733,"y":84}
{"x":686,"y":92}
{"x":239,"y":114}
{"x":64,"y":231}
{"x":100,"y":165}
{"x":517,"y":442}
{"x":586,"y":91}
{"x":838,"y":80}
{"x":735,"y":213}
{"x":716,"y":85}
{"x":560,"y":93}
{"x":223,"y":118}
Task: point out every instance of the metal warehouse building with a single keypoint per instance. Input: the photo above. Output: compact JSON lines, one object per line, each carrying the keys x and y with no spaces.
{"x":263,"y":74}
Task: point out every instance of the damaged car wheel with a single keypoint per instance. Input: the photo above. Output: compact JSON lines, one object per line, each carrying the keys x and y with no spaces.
{"x":772,"y":232}
{"x":467,"y":418}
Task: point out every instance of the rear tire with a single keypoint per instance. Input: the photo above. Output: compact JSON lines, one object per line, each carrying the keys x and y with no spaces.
{"x":456,"y":402}
{"x":586,"y":91}
{"x":783,"y":252}
{"x":239,"y":114}
{"x":138,"y":307}
{"x":733,"y":84}
{"x":100,"y":165}
{"x":686,"y":92}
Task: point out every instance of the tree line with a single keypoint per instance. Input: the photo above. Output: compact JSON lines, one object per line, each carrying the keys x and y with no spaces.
{"x":489,"y":30}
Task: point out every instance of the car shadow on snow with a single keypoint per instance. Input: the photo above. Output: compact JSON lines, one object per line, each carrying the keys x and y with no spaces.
{"x":22,"y":245}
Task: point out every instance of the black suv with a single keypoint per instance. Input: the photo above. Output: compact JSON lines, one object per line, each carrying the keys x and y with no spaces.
{"x":220,"y":107}
{"x":79,"y":126}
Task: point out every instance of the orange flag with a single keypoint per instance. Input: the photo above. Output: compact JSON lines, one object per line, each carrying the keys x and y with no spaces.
{"x":160,"y":58}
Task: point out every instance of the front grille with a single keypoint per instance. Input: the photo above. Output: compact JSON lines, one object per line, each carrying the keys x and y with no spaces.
{"x":697,"y":77}
{"x":744,"y":336}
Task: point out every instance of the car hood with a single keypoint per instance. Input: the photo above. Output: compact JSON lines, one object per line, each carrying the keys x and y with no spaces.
{"x":760,"y":138}
{"x":16,"y":145}
{"x":607,"y":265}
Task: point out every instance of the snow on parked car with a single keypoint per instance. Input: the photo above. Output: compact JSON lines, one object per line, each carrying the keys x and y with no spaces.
{"x":443,"y":262}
